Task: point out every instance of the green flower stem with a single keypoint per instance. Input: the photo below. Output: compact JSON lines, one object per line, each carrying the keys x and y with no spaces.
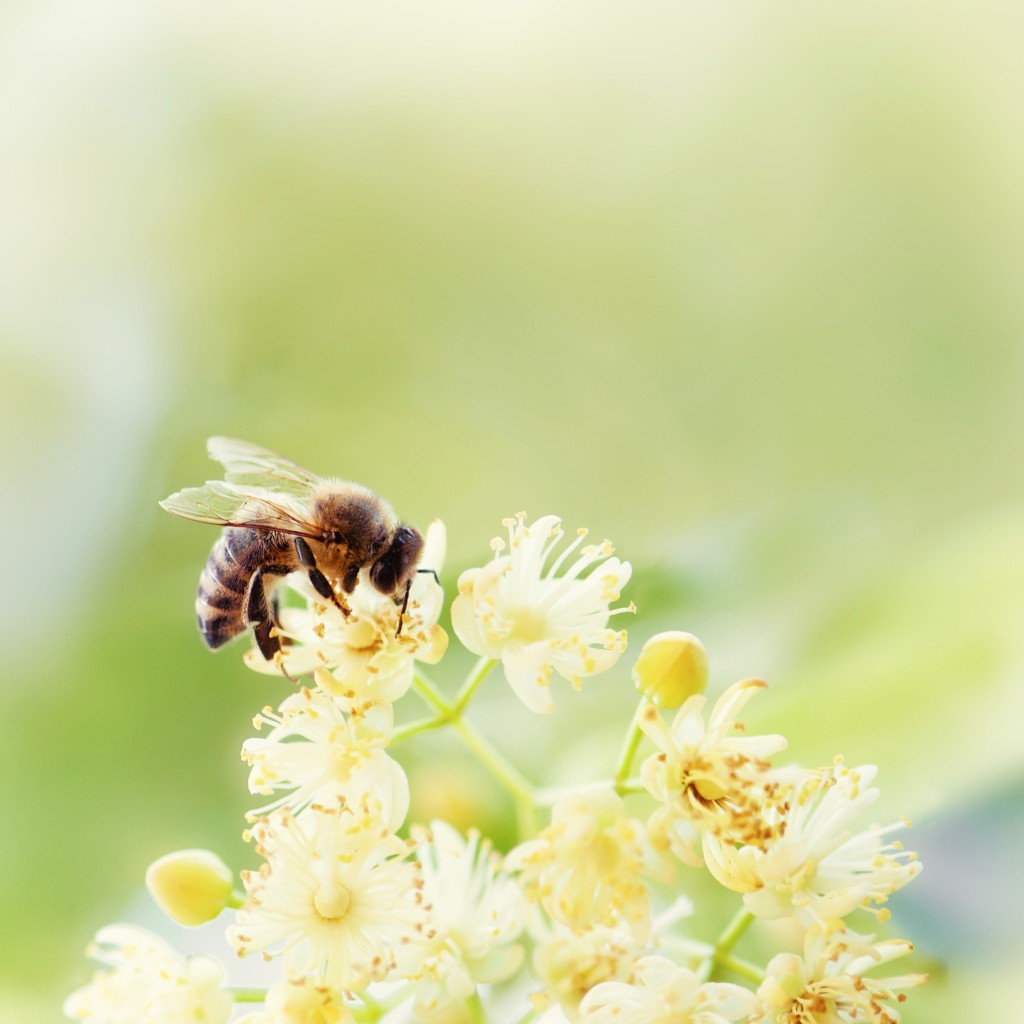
{"x":473,"y":680}
{"x":742,"y":967}
{"x":475,"y":1009}
{"x":531,"y":1014}
{"x":432,"y":695}
{"x":403,"y":732}
{"x":519,"y":788}
{"x":629,"y":748}
{"x":550,"y":795}
{"x":628,"y":786}
{"x":373,"y":1009}
{"x":506,"y":773}
{"x":370,"y":1011}
{"x":248,"y":995}
{"x":723,"y":947}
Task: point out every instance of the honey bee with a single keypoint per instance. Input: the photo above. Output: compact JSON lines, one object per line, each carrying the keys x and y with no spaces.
{"x":279,"y":518}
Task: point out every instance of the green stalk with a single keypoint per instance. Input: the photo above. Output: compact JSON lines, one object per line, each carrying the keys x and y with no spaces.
{"x":723,"y":947}
{"x":473,"y":680}
{"x":370,"y":1011}
{"x":628,"y":786}
{"x":503,"y":770}
{"x":742,"y":967}
{"x":507,"y":774}
{"x":403,"y":732}
{"x":248,"y":995}
{"x":475,"y":1009}
{"x":629,"y":748}
{"x":431,"y":695}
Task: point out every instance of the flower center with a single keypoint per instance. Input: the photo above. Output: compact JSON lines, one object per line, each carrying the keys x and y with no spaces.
{"x":331,"y":901}
{"x":342,"y":764}
{"x":528,"y":625}
{"x":708,"y":789}
{"x":360,"y":634}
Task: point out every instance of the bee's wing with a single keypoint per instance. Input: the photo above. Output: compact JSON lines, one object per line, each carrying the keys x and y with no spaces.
{"x":249,"y":466}
{"x":227,"y":504}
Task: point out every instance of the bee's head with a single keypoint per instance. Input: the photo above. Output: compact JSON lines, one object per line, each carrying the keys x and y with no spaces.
{"x":393,"y":570}
{"x":356,"y":518}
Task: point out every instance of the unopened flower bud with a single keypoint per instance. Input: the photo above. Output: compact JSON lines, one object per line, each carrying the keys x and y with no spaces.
{"x":190,"y":886}
{"x":672,"y":667}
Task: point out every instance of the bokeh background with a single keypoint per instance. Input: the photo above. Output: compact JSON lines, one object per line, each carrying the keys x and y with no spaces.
{"x":738,"y":286}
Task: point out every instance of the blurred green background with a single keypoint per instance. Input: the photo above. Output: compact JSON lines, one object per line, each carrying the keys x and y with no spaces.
{"x":738,"y":287}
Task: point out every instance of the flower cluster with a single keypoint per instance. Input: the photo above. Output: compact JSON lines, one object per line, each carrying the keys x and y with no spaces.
{"x":360,"y":916}
{"x":148,"y":981}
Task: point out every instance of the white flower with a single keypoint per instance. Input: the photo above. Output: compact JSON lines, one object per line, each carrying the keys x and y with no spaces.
{"x":665,"y":994}
{"x":828,"y":983}
{"x":301,"y":1001}
{"x":584,"y":868}
{"x":363,"y":659}
{"x":477,"y":913}
{"x":709,"y":780}
{"x":315,"y":754}
{"x":537,"y":622}
{"x":335,"y":896}
{"x":570,"y":964}
{"x":553,"y":1015}
{"x":149,"y":983}
{"x":817,"y":868}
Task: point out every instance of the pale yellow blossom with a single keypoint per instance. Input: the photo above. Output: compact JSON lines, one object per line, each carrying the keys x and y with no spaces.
{"x":148,"y":983}
{"x":829,"y":982}
{"x":817,"y":868}
{"x":569,"y":964}
{"x":518,"y":609}
{"x":710,"y":779}
{"x":477,"y":913}
{"x":301,"y":1001}
{"x":585,"y":867}
{"x":315,"y":753}
{"x":662,"y":993}
{"x":335,"y":897}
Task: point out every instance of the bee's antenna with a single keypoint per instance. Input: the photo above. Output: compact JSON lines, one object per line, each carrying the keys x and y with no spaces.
{"x":405,"y":604}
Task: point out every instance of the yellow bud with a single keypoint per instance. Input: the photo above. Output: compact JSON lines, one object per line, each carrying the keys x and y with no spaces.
{"x":671,"y":667}
{"x":190,"y":886}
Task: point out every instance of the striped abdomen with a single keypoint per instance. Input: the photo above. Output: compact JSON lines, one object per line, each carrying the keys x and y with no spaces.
{"x":226,"y":578}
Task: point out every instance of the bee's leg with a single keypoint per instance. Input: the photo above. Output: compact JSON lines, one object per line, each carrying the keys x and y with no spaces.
{"x":269,"y":645}
{"x":261,"y":613}
{"x":433,"y":572}
{"x":321,"y":584}
{"x":348,"y":584}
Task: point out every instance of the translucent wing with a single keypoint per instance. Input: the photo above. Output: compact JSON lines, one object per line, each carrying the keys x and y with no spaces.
{"x":227,"y":504}
{"x":249,"y":466}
